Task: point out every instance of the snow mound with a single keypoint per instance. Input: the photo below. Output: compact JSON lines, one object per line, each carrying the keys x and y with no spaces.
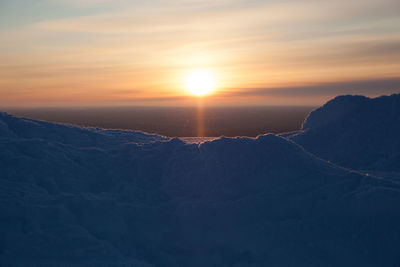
{"x":356,"y":132}
{"x":14,"y":127}
{"x":72,"y":196}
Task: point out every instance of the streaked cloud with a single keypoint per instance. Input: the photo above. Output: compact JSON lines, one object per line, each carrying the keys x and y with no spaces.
{"x":91,"y":50}
{"x":370,"y":87}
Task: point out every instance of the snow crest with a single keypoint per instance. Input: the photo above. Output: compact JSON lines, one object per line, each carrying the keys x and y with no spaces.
{"x":73,"y":196}
{"x":356,"y":132}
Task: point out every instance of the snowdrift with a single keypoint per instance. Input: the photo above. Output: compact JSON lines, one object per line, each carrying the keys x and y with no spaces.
{"x":356,"y":132}
{"x":72,"y":196}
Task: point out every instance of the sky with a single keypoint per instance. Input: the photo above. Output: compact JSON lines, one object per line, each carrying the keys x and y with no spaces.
{"x":129,"y":52}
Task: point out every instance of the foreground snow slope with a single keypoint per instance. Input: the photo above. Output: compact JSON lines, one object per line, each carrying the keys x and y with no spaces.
{"x":72,"y":196}
{"x":355,"y":132}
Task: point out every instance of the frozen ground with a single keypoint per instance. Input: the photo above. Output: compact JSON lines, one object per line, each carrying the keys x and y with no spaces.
{"x":72,"y":196}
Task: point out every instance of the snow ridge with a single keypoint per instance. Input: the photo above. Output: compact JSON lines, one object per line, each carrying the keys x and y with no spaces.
{"x":73,"y":196}
{"x":356,"y":132}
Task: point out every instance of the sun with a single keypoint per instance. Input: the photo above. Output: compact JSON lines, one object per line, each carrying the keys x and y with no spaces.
{"x":200,"y":82}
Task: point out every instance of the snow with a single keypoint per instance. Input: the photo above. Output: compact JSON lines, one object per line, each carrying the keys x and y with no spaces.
{"x":355,"y":132}
{"x":197,"y":140}
{"x":73,"y":196}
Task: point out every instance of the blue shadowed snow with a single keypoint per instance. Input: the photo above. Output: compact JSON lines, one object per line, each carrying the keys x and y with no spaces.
{"x":72,"y":196}
{"x":355,"y":132}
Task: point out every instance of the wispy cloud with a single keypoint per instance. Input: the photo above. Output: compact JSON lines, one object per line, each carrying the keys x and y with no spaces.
{"x":146,"y":46}
{"x":366,"y":87}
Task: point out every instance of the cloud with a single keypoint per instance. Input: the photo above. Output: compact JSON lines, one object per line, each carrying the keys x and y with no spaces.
{"x":365,"y":87}
{"x":293,"y":15}
{"x":148,"y":44}
{"x":88,"y":3}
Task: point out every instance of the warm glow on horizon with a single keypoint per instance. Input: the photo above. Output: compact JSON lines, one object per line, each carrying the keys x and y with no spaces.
{"x":200,"y":82}
{"x":118,"y":52}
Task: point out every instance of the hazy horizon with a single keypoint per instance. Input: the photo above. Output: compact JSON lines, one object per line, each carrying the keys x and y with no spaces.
{"x":178,"y":121}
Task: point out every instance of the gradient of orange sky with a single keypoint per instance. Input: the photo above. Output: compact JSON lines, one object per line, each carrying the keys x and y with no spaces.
{"x":103,"y":52}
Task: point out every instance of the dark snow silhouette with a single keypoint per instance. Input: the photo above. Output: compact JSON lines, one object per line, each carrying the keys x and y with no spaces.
{"x":72,"y":196}
{"x":355,"y":132}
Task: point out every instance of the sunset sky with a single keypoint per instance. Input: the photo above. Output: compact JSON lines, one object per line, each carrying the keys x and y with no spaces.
{"x":129,"y":52}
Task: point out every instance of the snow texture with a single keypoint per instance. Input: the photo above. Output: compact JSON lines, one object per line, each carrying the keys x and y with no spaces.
{"x":72,"y":196}
{"x":355,"y":132}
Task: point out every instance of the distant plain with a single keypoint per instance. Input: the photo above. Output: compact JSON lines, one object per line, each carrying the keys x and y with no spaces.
{"x":178,"y":121}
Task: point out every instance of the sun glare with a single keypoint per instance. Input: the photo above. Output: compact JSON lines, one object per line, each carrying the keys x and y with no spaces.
{"x":200,"y":82}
